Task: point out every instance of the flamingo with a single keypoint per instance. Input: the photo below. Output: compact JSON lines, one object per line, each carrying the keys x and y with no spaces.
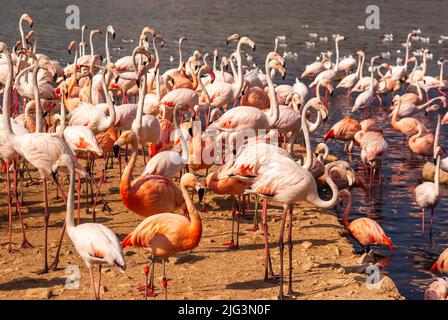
{"x":39,"y":149}
{"x":166,"y":234}
{"x":223,"y":93}
{"x":244,"y":117}
{"x":95,"y":243}
{"x":144,"y":194}
{"x":407,"y":126}
{"x":330,"y":74}
{"x":364,"y":230}
{"x":441,"y":264}
{"x":427,"y":195}
{"x":349,"y":81}
{"x":438,"y":290}
{"x":397,"y":72}
{"x":365,"y":99}
{"x":92,"y":117}
{"x":344,"y":130}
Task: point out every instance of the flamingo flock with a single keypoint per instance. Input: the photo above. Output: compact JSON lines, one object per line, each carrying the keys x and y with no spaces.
{"x":84,"y":116}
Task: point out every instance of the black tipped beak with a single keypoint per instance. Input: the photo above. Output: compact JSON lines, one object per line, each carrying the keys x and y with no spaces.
{"x":69,"y":52}
{"x":190,"y":131}
{"x":201,"y":193}
{"x":101,"y":57}
{"x":435,"y":161}
{"x":31,"y":25}
{"x":253,"y":49}
{"x":331,"y":93}
{"x":55,"y":77}
{"x":44,"y":114}
{"x":316,"y":154}
{"x":116,"y":80}
{"x":116,"y":150}
{"x":137,"y":82}
{"x":54,"y":175}
{"x":284,"y":76}
{"x":227,"y":42}
{"x":113,"y":35}
{"x":426,"y":113}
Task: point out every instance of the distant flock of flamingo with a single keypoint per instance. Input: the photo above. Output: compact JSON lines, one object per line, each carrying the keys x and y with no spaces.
{"x":55,"y":116}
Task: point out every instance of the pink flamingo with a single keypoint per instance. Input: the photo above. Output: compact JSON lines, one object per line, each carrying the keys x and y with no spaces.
{"x":366,"y":231}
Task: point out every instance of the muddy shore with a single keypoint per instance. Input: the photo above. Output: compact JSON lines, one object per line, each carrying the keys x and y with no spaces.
{"x":325,"y":264}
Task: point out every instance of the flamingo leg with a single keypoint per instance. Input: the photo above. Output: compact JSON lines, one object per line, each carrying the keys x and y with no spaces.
{"x":25,"y":243}
{"x":55,"y":263}
{"x":46,"y":219}
{"x":281,"y":246}
{"x":92,"y":284}
{"x":148,"y":287}
{"x":268,"y":262}
{"x":99,"y":282}
{"x":430,"y":222}
{"x":255,"y":227}
{"x":8,"y":188}
{"x":423,"y":222}
{"x":164,"y":280}
{"x":79,"y":199}
{"x":290,"y":247}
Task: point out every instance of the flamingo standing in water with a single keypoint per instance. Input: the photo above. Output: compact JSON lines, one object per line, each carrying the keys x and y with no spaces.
{"x":366,"y":231}
{"x":166,"y":234}
{"x":344,"y":130}
{"x":95,"y":243}
{"x":427,"y":195}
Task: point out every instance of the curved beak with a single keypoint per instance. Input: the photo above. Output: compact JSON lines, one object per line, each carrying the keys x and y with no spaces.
{"x":116,"y":150}
{"x":201,"y":193}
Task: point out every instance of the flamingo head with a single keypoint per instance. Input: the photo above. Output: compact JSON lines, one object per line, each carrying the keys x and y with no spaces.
{"x":233,"y":37}
{"x":71,"y":47}
{"x":111,"y":30}
{"x":27,"y":18}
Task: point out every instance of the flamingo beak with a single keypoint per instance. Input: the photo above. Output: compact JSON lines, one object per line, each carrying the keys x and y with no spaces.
{"x":116,"y":150}
{"x":201,"y":193}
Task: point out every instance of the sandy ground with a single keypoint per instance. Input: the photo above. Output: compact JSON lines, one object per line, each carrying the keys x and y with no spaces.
{"x":325,"y":265}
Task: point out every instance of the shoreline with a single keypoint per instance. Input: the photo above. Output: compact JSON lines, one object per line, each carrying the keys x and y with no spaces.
{"x":325,"y":265}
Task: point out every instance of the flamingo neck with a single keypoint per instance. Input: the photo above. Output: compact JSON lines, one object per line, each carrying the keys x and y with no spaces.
{"x":69,"y":218}
{"x":273,"y":108}
{"x":309,"y":156}
{"x":185,"y":151}
{"x":37,"y":99}
{"x":348,"y":208}
{"x":6,"y":97}
{"x":314,"y":196}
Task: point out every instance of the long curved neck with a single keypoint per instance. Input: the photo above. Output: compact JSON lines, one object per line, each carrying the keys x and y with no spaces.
{"x":141,"y":99}
{"x":6,"y":97}
{"x":362,"y":66}
{"x":309,"y":156}
{"x":185,"y":152}
{"x":348,"y":208}
{"x":181,"y":62}
{"x":371,"y":77}
{"x":437,"y":176}
{"x":107,"y":48}
{"x":441,"y":74}
{"x":22,"y":34}
{"x":69,"y":217}
{"x":239,"y":83}
{"x":92,"y":50}
{"x":358,"y":71}
{"x":422,"y":106}
{"x":37,"y":99}
{"x":234,"y":72}
{"x":274,"y":112}
{"x":314,"y":197}
{"x":215,"y":61}
{"x":112,"y":115}
{"x":195,"y":219}
{"x":407,"y":52}
{"x":336,"y":65}
{"x":437,"y":134}
{"x":126,"y":178}
{"x":207,"y":96}
{"x":61,"y":128}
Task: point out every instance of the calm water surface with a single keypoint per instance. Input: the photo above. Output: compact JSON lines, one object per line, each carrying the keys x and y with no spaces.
{"x":207,"y":24}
